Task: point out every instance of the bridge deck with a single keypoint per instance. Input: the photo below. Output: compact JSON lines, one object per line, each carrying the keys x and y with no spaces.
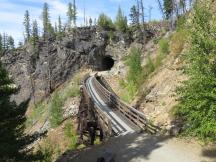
{"x":120,"y":124}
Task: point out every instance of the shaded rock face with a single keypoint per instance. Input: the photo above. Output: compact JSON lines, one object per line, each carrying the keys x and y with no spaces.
{"x":38,"y":75}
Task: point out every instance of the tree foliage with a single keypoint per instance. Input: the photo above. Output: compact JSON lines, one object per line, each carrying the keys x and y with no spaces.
{"x":105,"y":22}
{"x":72,"y":13}
{"x":134,"y":15}
{"x":11,"y":121}
{"x":74,"y":18}
{"x":135,"y":68}
{"x":27,"y":26}
{"x":6,"y":42}
{"x":59,"y":33}
{"x":56,"y":110}
{"x":121,"y":21}
{"x":90,"y":21}
{"x":35,"y":32}
{"x":34,"y":40}
{"x":168,"y":8}
{"x":46,"y":20}
{"x":59,"y":24}
{"x":197,"y":105}
{"x":10,"y":42}
{"x":1,"y":46}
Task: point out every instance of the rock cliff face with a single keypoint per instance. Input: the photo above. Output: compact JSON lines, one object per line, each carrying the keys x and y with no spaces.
{"x":38,"y":75}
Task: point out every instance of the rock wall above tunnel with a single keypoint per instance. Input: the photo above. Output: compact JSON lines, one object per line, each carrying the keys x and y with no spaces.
{"x":38,"y":75}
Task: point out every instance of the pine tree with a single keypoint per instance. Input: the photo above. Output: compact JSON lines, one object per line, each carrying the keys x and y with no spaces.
{"x":46,"y":20}
{"x":142,"y":14}
{"x":134,"y":15}
{"x":35,"y":34}
{"x":1,"y":47}
{"x":95,"y":21}
{"x":59,"y":24}
{"x":182,"y":5}
{"x":10,"y":42}
{"x":74,"y":16}
{"x":20,"y":44}
{"x":86,"y":21}
{"x":168,"y":8}
{"x":70,"y":13}
{"x":60,"y":31}
{"x":5,"y":41}
{"x":55,"y":28}
{"x":11,"y":121}
{"x":27,"y":26}
{"x":138,"y":11}
{"x":51,"y":31}
{"x":121,"y":21}
{"x":90,"y":21}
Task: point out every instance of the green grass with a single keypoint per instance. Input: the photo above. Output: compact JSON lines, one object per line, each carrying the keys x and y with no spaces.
{"x":134,"y":74}
{"x":48,"y":151}
{"x":56,"y":110}
{"x":37,"y":114}
{"x":58,"y":100}
{"x":137,"y":75}
{"x":164,"y":46}
{"x":71,"y":91}
{"x":71,"y":135}
{"x":53,"y":108}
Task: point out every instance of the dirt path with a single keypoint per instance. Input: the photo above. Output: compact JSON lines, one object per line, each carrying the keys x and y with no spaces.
{"x":145,"y":148}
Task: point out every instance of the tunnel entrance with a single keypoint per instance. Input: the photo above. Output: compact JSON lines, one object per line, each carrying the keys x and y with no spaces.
{"x":107,"y":63}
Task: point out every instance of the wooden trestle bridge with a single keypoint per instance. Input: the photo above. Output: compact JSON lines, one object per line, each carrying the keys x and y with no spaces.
{"x":101,"y":110}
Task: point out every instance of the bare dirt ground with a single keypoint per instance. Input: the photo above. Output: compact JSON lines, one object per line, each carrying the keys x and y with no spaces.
{"x":145,"y":148}
{"x":157,"y":95}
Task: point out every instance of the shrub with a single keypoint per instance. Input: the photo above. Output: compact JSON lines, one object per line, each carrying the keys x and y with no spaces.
{"x":164,"y":46}
{"x":121,"y":21}
{"x":150,"y":67}
{"x":134,"y":75}
{"x":111,"y":36}
{"x":163,"y":51}
{"x":36,"y":114}
{"x":105,"y":22}
{"x":71,"y":135}
{"x":56,"y":110}
{"x":181,"y":22}
{"x":48,"y":151}
{"x":178,"y":41}
{"x":137,"y":74}
{"x":72,"y":91}
{"x":135,"y":68}
{"x":198,"y":94}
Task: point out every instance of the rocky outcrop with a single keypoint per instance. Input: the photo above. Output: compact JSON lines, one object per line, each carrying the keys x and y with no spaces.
{"x":71,"y":108}
{"x":39,"y":74}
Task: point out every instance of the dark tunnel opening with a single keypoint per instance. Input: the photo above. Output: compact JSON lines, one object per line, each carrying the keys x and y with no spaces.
{"x":107,"y":63}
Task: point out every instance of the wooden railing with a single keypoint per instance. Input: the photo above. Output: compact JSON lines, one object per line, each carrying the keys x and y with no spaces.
{"x":135,"y":116}
{"x":103,"y":121}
